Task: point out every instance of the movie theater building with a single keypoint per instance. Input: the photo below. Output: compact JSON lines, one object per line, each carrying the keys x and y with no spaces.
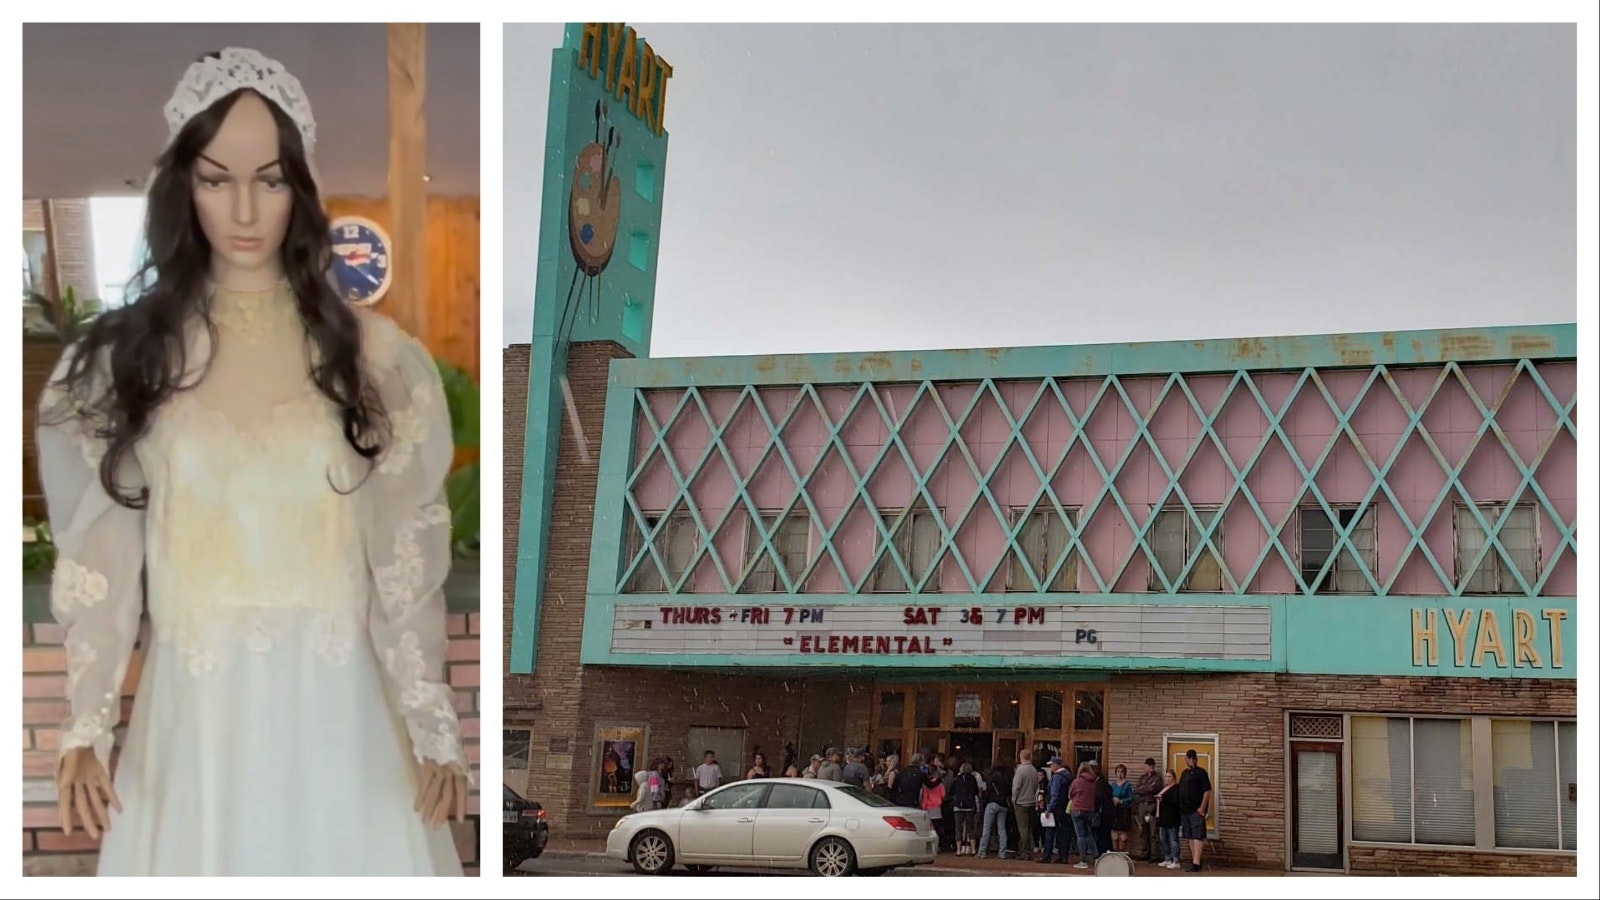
{"x":1340,"y":567}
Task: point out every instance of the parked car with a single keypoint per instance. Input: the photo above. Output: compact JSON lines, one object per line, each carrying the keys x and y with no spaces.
{"x":833,"y":829}
{"x":526,"y":830}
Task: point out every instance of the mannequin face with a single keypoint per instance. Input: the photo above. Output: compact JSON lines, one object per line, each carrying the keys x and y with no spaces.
{"x":241,"y":198}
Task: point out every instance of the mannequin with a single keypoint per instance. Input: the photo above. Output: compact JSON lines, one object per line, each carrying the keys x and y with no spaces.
{"x":272,"y":463}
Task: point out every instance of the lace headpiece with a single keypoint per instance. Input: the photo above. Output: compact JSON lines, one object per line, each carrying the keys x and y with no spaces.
{"x":214,"y":77}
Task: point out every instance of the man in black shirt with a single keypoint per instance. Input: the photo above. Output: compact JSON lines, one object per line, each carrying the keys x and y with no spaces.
{"x":1194,"y":802}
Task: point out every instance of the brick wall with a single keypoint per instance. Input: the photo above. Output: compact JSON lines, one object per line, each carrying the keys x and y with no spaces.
{"x":514,"y":422}
{"x":1246,"y":712}
{"x":46,"y":851}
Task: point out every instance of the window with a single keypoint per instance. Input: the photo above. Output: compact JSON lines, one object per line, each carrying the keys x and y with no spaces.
{"x":516,"y":745}
{"x":1089,"y":711}
{"x":675,"y":542}
{"x":1535,"y":784}
{"x":929,"y":713}
{"x":892,"y":709}
{"x":1519,"y":539}
{"x":1412,"y":781}
{"x":791,"y":538}
{"x":796,"y":796}
{"x":1175,"y":538}
{"x":1317,"y":538}
{"x":1047,"y":710}
{"x":738,"y":796}
{"x":916,"y":538}
{"x":116,"y":227}
{"x":1005,"y":710}
{"x":1042,"y":541}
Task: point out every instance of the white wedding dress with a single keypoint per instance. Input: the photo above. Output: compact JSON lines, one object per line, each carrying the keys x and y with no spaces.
{"x":293,"y":665}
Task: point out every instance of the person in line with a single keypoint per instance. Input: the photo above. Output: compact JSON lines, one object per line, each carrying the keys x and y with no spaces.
{"x":1194,"y":801}
{"x":908,"y":782}
{"x":996,"y":810}
{"x":708,"y":775}
{"x":641,"y":797}
{"x":758,"y":766}
{"x":1102,"y":809}
{"x":933,"y":797}
{"x":1168,"y":820}
{"x":831,"y":769}
{"x":856,"y":772}
{"x":1121,"y":808}
{"x":1054,"y":818}
{"x":964,"y":793}
{"x":1081,"y":795}
{"x":1024,"y":789}
{"x":1146,"y":839}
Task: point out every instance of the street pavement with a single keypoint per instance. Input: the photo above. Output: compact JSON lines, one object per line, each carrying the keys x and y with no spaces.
{"x":583,"y":861}
{"x":588,"y":865}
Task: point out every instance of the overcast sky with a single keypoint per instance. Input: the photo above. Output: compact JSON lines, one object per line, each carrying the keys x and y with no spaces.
{"x":853,"y":187}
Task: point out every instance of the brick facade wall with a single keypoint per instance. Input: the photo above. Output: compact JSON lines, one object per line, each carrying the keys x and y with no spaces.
{"x":1246,"y":712}
{"x":47,"y":851}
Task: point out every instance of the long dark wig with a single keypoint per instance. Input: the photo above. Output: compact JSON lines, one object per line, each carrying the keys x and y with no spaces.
{"x":144,"y":339}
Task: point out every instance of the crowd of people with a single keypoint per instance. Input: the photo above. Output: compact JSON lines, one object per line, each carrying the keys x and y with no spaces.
{"x":1025,"y":812}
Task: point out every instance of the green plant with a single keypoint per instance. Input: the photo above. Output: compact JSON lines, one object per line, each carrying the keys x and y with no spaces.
{"x":462,"y":487}
{"x":67,"y":316}
{"x":38,"y":547}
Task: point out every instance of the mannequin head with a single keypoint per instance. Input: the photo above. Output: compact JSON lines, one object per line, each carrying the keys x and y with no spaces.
{"x":242,"y":196}
{"x":232,"y":204}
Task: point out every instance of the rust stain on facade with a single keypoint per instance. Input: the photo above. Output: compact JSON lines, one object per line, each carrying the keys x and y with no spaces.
{"x":1531,"y":345}
{"x":1247,"y":349}
{"x":916,"y":365}
{"x":1352,"y":353}
{"x":875,"y":364}
{"x":993,"y":353}
{"x":1465,"y":346}
{"x":841,"y":366}
{"x":1416,"y":348}
{"x":1388,"y":342}
{"x":766,"y":364}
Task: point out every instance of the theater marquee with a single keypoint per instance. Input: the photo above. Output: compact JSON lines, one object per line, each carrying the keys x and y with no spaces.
{"x":892,"y":635}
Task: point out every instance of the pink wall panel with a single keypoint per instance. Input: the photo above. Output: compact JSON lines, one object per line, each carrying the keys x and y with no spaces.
{"x":1416,"y":478}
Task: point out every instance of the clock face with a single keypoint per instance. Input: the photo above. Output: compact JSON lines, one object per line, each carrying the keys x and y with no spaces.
{"x":360,"y":260}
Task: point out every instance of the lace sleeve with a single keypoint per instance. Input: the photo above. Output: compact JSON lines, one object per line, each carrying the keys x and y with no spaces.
{"x":408,"y":542}
{"x":96,"y":592}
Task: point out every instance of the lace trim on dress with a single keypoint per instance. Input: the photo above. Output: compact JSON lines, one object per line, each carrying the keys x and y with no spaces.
{"x":410,"y":430}
{"x":75,"y":587}
{"x":434,"y":729}
{"x":208,"y":644}
{"x":399,"y":581}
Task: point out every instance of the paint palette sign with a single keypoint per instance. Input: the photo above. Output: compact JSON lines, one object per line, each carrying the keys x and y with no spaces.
{"x":864,"y":633}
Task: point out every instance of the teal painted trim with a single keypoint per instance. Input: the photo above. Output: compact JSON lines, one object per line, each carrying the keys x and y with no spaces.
{"x":1395,"y":348}
{"x":611,"y":502}
{"x":547,"y":362}
{"x":599,"y":612}
{"x":1373,"y":636}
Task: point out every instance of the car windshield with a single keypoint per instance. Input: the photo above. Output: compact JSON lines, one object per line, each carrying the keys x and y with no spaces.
{"x":861,"y":796}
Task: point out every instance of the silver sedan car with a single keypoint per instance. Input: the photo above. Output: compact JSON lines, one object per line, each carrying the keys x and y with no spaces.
{"x":833,"y":829}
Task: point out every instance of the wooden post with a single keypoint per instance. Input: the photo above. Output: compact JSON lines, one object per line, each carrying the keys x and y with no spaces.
{"x":407,"y":300}
{"x":52,"y":272}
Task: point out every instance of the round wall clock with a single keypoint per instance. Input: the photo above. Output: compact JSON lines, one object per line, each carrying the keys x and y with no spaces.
{"x":361,"y":267}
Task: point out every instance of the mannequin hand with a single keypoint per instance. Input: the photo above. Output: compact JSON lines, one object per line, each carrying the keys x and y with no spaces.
{"x":441,"y":795}
{"x":83,"y":793}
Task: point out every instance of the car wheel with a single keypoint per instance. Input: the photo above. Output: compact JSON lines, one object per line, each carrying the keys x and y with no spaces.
{"x":699,"y":870}
{"x":651,"y":853}
{"x":833,"y":858}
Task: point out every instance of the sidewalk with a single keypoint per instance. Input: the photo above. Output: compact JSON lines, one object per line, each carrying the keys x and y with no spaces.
{"x":973,"y":865}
